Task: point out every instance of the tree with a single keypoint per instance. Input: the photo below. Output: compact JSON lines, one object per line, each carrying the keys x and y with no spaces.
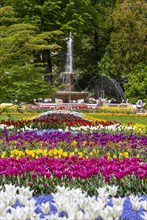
{"x":21,"y":69}
{"x":84,"y":18}
{"x":48,"y":15}
{"x":127,"y":41}
{"x":94,"y":39}
{"x":136,"y":87}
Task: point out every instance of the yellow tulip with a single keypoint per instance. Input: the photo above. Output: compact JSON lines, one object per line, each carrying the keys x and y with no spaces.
{"x":3,"y":154}
{"x":91,"y":153}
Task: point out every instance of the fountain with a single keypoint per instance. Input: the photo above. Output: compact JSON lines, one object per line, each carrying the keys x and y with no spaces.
{"x":105,"y":84}
{"x":69,"y":93}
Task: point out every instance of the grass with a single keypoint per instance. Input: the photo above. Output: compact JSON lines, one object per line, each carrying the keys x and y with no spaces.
{"x":13,"y":117}
{"x":122,"y":119}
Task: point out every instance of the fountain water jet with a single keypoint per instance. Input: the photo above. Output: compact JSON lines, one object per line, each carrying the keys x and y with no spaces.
{"x":105,"y":83}
{"x":69,"y":93}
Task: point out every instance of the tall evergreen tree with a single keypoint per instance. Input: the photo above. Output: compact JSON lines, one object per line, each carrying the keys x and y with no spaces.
{"x":21,"y":70}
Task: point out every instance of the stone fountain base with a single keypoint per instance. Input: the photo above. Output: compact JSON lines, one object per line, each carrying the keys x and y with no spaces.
{"x":67,"y":96}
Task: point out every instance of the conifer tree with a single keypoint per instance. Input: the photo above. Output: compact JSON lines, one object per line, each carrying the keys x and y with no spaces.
{"x":22,"y":71}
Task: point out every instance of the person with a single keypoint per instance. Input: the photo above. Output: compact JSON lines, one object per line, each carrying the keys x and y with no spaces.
{"x":97,"y":102}
{"x":139,"y":104}
{"x":113,"y":101}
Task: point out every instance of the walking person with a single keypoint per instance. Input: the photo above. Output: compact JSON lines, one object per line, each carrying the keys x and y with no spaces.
{"x":139,"y":104}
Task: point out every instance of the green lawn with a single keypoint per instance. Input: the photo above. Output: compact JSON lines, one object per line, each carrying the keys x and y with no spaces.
{"x":15,"y":117}
{"x":123,"y":119}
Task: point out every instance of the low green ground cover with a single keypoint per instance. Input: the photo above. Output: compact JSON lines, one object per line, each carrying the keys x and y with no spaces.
{"x":12,"y":117}
{"x":122,"y":119}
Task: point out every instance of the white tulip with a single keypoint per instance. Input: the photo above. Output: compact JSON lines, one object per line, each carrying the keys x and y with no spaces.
{"x":31,"y":202}
{"x":55,"y":217}
{"x":3,"y":209}
{"x":94,"y":211}
{"x":82,"y":216}
{"x":135,"y":201}
{"x":61,"y":203}
{"x":83,"y":203}
{"x":136,"y":205}
{"x":144,"y":205}
{"x":8,"y":199}
{"x":144,"y":216}
{"x":118,"y":201}
{"x":7,"y":216}
{"x":10,"y":188}
{"x":112,"y":190}
{"x":71,"y":210}
{"x":45,"y":207}
{"x":102,"y":190}
{"x":30,"y":213}
{"x":105,"y":214}
{"x":22,"y":199}
{"x":25,"y":191}
{"x":18,"y":213}
{"x":103,"y":197}
{"x":117,"y":211}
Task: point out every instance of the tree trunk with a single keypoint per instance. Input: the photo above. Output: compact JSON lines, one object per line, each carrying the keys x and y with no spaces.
{"x":48,"y":66}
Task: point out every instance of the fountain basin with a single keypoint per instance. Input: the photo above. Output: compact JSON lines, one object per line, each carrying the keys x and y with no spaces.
{"x":66,"y":96}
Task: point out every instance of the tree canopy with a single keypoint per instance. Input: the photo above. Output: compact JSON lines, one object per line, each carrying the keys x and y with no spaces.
{"x":136,"y":87}
{"x":109,"y":38}
{"x":127,"y":45}
{"x":21,"y":69}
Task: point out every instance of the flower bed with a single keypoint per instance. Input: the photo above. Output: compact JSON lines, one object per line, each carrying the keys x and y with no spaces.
{"x":76,"y":107}
{"x":66,"y":156}
{"x":78,"y":154}
{"x":72,"y":121}
{"x":69,"y":203}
